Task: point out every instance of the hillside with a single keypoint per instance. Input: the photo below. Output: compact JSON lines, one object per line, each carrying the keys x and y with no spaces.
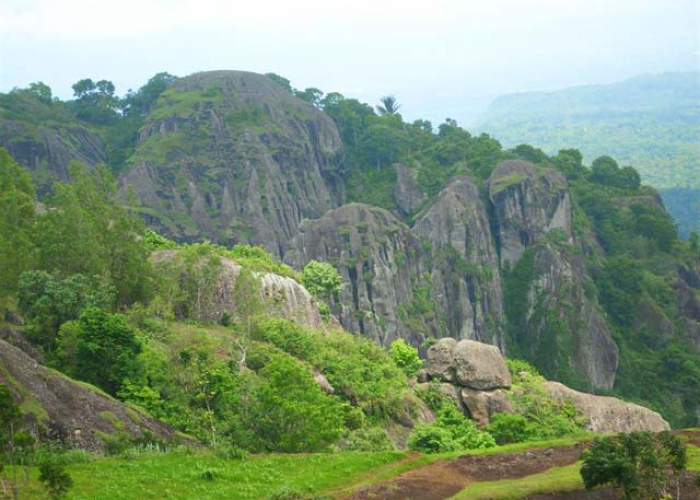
{"x":573,"y":266}
{"x":650,"y":121}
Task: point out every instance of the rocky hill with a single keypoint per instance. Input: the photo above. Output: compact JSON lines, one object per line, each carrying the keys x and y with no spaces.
{"x":577,"y":269}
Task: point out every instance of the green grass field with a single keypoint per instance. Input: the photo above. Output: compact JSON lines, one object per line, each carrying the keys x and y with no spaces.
{"x":202,"y":476}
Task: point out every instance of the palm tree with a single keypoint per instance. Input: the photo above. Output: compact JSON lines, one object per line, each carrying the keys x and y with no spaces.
{"x":389,"y":105}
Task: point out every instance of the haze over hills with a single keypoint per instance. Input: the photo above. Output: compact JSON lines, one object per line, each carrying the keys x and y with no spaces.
{"x":651,"y":122}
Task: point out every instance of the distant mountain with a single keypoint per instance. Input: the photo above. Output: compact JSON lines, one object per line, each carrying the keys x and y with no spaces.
{"x":651,"y":122}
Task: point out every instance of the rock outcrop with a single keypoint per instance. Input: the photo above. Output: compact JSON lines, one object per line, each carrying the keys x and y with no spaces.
{"x":233,"y":157}
{"x":380,"y":262}
{"x":46,"y":150}
{"x":565,"y":330}
{"x":528,"y":201}
{"x":281,"y":295}
{"x":476,"y":377}
{"x":56,"y":407}
{"x":464,"y":274}
{"x":607,"y":415}
{"x":408,"y":195}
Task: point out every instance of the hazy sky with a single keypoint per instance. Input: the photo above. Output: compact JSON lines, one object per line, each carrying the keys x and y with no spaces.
{"x":440,"y":57}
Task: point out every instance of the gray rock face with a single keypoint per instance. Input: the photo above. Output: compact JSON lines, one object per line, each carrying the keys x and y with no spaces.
{"x":468,"y":363}
{"x":380,"y":262}
{"x":407,"y":194}
{"x":466,"y":283}
{"x":529,"y":201}
{"x":482,"y":405}
{"x":441,"y":357}
{"x":46,"y":150}
{"x":480,"y":366}
{"x":246,"y":161}
{"x":63,"y":409}
{"x":560,"y":310}
{"x":608,"y":415}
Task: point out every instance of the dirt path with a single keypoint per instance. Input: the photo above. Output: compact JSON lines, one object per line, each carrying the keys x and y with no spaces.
{"x":445,"y":478}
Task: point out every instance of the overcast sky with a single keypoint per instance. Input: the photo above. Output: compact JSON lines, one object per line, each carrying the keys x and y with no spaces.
{"x":441,"y":58}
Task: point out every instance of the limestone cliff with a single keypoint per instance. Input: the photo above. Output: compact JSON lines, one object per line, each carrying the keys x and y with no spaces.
{"x":529,"y":201}
{"x":46,"y":149}
{"x":381,"y":264}
{"x":464,"y":273}
{"x":233,"y":157}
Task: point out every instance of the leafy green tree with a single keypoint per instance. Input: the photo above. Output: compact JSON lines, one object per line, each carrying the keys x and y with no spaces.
{"x":529,"y":153}
{"x":405,"y":356}
{"x":312,"y":95}
{"x":642,"y":466}
{"x":16,"y":223}
{"x":55,"y":479}
{"x":95,"y":102}
{"x":389,"y":105}
{"x":280,"y":80}
{"x":42,"y":91}
{"x":620,"y":284}
{"x":47,"y":301}
{"x":106,"y":350}
{"x":509,"y":428}
{"x":87,"y":230}
{"x":292,"y":414}
{"x":451,"y":431}
{"x":321,"y":279}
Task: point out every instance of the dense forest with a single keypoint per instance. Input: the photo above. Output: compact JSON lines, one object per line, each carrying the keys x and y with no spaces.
{"x":107,"y":300}
{"x":650,"y":121}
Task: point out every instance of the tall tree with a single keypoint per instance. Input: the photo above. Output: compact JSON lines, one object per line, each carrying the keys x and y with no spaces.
{"x":389,"y":105}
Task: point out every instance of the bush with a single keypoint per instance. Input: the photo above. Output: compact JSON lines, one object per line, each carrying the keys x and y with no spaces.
{"x":510,"y":428}
{"x":55,"y":479}
{"x":433,"y":396}
{"x":321,"y":279}
{"x":405,"y":357}
{"x":368,"y":439}
{"x":431,"y":439}
{"x":451,"y":431}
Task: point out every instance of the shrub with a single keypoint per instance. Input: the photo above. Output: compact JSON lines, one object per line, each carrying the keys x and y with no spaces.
{"x":55,"y":479}
{"x":431,"y":439}
{"x":368,"y":439}
{"x":510,"y":428}
{"x":451,"y":431}
{"x":321,"y":279}
{"x":405,"y":357}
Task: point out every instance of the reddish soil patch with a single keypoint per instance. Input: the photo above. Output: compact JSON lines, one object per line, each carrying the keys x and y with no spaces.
{"x":689,"y":491}
{"x":446,"y":478}
{"x":693,"y":436}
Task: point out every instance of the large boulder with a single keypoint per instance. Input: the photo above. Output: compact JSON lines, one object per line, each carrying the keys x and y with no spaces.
{"x":58,"y":408}
{"x":605,"y":414}
{"x":441,"y":357}
{"x":480,"y":366}
{"x":468,"y":363}
{"x":481,"y":405}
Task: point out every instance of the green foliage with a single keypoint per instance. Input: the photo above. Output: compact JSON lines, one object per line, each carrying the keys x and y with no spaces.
{"x":155,"y":241}
{"x":257,"y":259}
{"x":642,"y":466}
{"x":405,"y":357}
{"x":55,"y":479}
{"x":280,"y":80}
{"x":509,"y":428}
{"x":47,"y":301}
{"x":321,"y":279}
{"x":538,"y":417}
{"x":374,"y":439}
{"x":16,"y":223}
{"x":86,"y":230}
{"x":10,"y":414}
{"x":451,"y":431}
{"x":103,"y":350}
{"x":291,"y":413}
